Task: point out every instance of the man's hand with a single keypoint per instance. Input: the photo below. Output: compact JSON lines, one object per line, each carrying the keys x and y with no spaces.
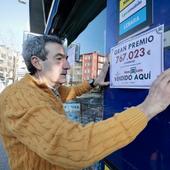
{"x":99,"y":81}
{"x":158,"y":98}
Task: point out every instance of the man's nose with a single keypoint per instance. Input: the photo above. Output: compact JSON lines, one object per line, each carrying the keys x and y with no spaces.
{"x":67,"y":65}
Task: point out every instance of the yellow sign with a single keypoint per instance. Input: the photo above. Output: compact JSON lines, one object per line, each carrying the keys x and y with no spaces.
{"x":106,"y":168}
{"x":125,"y":3}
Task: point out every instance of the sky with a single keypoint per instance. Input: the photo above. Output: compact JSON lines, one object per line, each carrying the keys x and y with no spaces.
{"x":14,"y":17}
{"x":93,"y":37}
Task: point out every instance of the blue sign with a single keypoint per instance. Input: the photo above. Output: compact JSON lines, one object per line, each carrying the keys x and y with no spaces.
{"x":134,"y":17}
{"x":133,"y":21}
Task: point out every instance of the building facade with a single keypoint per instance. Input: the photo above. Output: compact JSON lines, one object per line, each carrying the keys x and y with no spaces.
{"x":21,"y":69}
{"x":77,"y":73}
{"x":92,"y":64}
{"x":8,"y":65}
{"x":74,"y":75}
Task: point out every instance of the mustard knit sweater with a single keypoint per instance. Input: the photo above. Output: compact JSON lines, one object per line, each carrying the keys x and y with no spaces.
{"x":38,"y":136}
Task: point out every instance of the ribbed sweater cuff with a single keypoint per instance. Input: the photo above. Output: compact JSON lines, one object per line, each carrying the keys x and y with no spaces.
{"x":133,"y":120}
{"x":87,"y":85}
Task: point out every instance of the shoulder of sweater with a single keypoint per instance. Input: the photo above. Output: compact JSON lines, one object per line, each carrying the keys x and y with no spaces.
{"x":15,"y":88}
{"x":20,"y":95}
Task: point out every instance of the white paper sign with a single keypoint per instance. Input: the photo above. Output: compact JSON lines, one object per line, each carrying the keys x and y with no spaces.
{"x":71,"y":52}
{"x":138,"y":61}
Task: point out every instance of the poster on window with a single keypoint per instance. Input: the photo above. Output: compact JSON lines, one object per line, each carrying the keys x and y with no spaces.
{"x":137,"y":62}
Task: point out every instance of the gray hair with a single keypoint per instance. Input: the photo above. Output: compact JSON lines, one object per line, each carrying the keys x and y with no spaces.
{"x":35,"y":46}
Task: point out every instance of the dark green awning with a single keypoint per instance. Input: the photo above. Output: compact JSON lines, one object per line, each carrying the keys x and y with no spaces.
{"x":70,"y":19}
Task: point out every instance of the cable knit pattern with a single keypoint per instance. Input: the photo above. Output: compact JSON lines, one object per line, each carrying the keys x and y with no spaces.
{"x":38,"y":136}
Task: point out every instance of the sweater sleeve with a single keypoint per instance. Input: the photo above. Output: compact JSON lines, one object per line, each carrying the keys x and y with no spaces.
{"x":69,"y":93}
{"x":64,"y":143}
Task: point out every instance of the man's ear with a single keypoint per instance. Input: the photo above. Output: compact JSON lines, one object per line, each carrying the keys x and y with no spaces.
{"x":36,"y":62}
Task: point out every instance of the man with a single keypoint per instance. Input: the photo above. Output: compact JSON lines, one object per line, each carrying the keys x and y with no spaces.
{"x":36,"y":133}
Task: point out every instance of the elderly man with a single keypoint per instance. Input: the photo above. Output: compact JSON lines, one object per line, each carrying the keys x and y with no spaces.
{"x":36,"y":133}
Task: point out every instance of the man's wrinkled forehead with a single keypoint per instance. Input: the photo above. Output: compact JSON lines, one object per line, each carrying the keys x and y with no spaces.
{"x":52,"y":47}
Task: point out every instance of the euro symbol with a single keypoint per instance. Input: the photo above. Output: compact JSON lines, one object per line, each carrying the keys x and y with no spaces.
{"x":149,"y":52}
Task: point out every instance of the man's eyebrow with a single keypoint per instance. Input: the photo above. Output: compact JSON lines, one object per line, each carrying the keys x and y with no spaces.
{"x":59,"y":54}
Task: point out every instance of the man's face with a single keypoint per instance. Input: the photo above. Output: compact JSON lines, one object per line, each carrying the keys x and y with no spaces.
{"x":55,"y":67}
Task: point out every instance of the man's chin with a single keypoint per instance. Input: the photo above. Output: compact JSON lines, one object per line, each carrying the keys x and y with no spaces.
{"x":62,"y":81}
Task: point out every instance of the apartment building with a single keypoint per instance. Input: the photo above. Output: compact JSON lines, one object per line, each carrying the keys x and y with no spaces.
{"x":92,"y":65}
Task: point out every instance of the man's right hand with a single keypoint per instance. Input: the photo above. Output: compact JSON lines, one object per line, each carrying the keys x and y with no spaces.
{"x":158,"y":98}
